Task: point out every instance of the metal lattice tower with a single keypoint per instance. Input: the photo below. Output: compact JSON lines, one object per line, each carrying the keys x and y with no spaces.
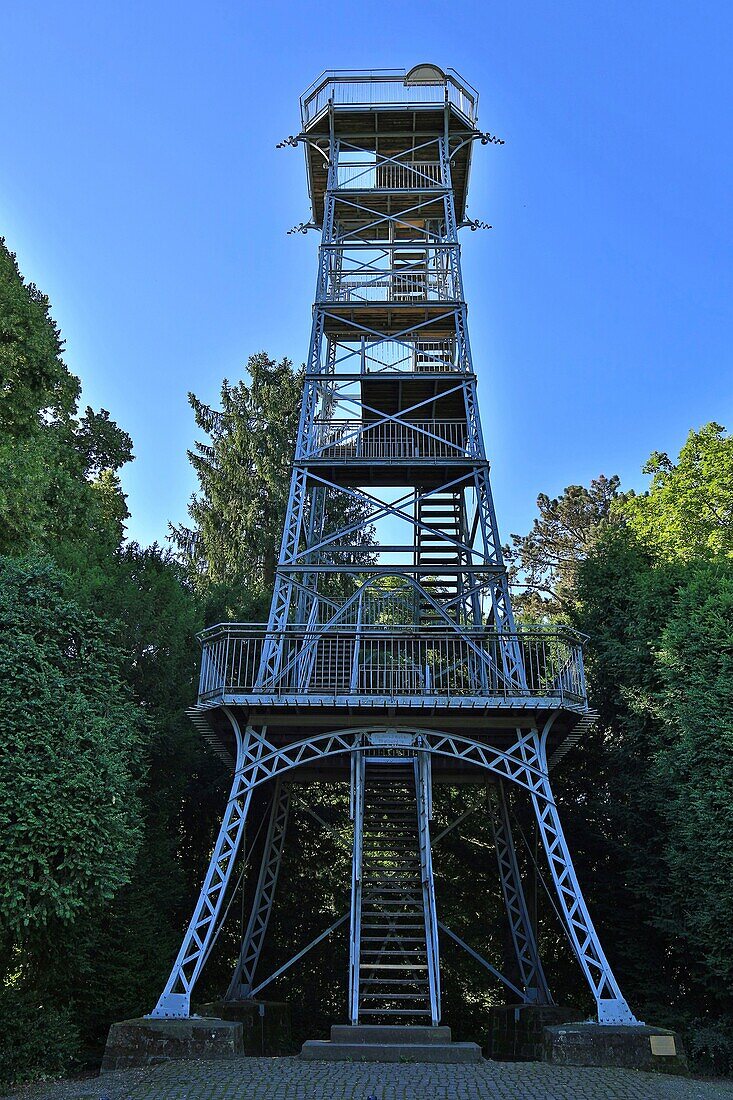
{"x":391,"y":659}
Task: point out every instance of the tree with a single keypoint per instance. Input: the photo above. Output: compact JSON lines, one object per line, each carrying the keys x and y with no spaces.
{"x":71,"y":739}
{"x":72,"y":760}
{"x":243,"y":476}
{"x":35,"y":385}
{"x":647,"y":800}
{"x":687,"y":512}
{"x":544,"y":563}
{"x":59,"y":490}
{"x":239,"y":511}
{"x":97,"y":758}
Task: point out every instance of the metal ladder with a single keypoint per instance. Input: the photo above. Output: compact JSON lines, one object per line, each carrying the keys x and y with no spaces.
{"x":394,"y":928}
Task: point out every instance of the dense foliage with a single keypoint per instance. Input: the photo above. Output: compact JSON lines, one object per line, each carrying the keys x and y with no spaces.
{"x":650,"y":793}
{"x":97,"y":759}
{"x":109,"y":802}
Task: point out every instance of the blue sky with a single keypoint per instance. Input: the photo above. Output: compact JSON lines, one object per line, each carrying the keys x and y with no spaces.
{"x":141,"y":190}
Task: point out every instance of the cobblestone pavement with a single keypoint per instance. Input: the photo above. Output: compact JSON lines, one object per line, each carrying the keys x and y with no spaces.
{"x":291,"y":1079}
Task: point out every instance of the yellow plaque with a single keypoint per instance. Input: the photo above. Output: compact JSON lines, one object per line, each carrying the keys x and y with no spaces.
{"x":663,"y":1045}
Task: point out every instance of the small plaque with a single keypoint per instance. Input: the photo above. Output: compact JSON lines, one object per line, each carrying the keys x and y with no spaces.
{"x":663,"y":1046}
{"x":391,"y":739}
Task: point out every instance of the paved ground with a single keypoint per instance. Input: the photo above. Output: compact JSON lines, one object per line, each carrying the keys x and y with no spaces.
{"x":291,"y":1079}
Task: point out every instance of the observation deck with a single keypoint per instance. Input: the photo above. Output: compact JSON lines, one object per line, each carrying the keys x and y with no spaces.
{"x":395,"y":676}
{"x":388,"y":110}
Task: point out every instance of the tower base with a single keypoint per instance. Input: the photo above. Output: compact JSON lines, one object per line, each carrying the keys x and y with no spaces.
{"x":591,"y":1044}
{"x":516,"y":1032}
{"x":149,"y":1042}
{"x":387,"y":1043}
{"x":266,"y":1026}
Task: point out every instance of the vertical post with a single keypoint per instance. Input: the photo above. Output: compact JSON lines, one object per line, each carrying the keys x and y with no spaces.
{"x":357,"y":802}
{"x":423,"y":784}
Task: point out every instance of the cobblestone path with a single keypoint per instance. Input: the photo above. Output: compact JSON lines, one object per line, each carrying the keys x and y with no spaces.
{"x":291,"y":1079}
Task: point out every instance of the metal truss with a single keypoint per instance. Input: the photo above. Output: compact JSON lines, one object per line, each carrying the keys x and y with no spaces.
{"x":610,"y":1002}
{"x":523,"y":935}
{"x":372,"y":257}
{"x":523,"y":763}
{"x":175,"y":999}
{"x":243,"y":978}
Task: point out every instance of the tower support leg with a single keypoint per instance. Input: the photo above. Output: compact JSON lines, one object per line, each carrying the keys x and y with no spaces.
{"x":523,"y":935}
{"x":424,"y":813}
{"x":242,"y":981}
{"x":357,"y":813}
{"x":610,"y":1002}
{"x":175,"y":1000}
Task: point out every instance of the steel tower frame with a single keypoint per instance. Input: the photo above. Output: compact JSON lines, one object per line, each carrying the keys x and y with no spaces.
{"x":417,"y":629}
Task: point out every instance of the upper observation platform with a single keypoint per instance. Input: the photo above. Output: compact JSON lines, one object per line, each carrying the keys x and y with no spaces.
{"x":394,"y":114}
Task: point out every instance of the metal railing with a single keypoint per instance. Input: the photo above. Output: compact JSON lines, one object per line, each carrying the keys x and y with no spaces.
{"x":418,"y":356}
{"x":389,"y":175}
{"x":372,"y":89}
{"x":357,"y":440}
{"x":390,"y":661}
{"x":390,"y":286}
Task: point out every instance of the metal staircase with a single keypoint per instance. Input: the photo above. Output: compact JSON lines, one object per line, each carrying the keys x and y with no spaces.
{"x":394,"y":944}
{"x":439,"y":519}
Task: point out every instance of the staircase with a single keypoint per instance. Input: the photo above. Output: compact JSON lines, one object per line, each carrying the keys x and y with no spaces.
{"x":440,"y":517}
{"x":393,"y":965}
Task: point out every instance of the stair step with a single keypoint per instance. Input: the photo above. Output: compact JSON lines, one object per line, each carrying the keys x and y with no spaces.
{"x":423,"y":982}
{"x":389,"y":1033}
{"x":394,"y":948}
{"x":379,"y":1051}
{"x":403,"y":939}
{"x":393,"y":966}
{"x":393,"y":1000}
{"x":395,"y":1012}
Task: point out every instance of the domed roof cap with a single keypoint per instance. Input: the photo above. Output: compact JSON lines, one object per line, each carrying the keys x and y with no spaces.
{"x":425,"y":74}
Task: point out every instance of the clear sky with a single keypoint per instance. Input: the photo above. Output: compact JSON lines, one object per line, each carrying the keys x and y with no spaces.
{"x":141,"y":189}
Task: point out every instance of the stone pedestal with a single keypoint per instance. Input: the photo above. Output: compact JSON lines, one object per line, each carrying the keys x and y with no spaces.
{"x":591,"y":1044}
{"x":516,"y":1031}
{"x":148,"y":1042}
{"x":265,"y":1024}
{"x":385,"y":1043}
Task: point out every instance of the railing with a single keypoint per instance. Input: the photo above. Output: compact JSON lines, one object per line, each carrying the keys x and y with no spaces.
{"x":391,"y":661}
{"x":390,"y":175}
{"x":419,"y":356}
{"x":374,"y":356}
{"x":390,"y":286}
{"x":375,"y":89}
{"x":356,"y":440}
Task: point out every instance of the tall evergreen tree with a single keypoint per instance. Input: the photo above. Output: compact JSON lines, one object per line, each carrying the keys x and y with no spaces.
{"x":239,"y":509}
{"x":243,"y":476}
{"x":544,"y":563}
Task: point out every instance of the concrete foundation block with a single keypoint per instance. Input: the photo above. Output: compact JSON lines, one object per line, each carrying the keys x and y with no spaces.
{"x":516,"y":1032}
{"x":591,"y":1044}
{"x":266,"y":1028}
{"x":148,"y":1042}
